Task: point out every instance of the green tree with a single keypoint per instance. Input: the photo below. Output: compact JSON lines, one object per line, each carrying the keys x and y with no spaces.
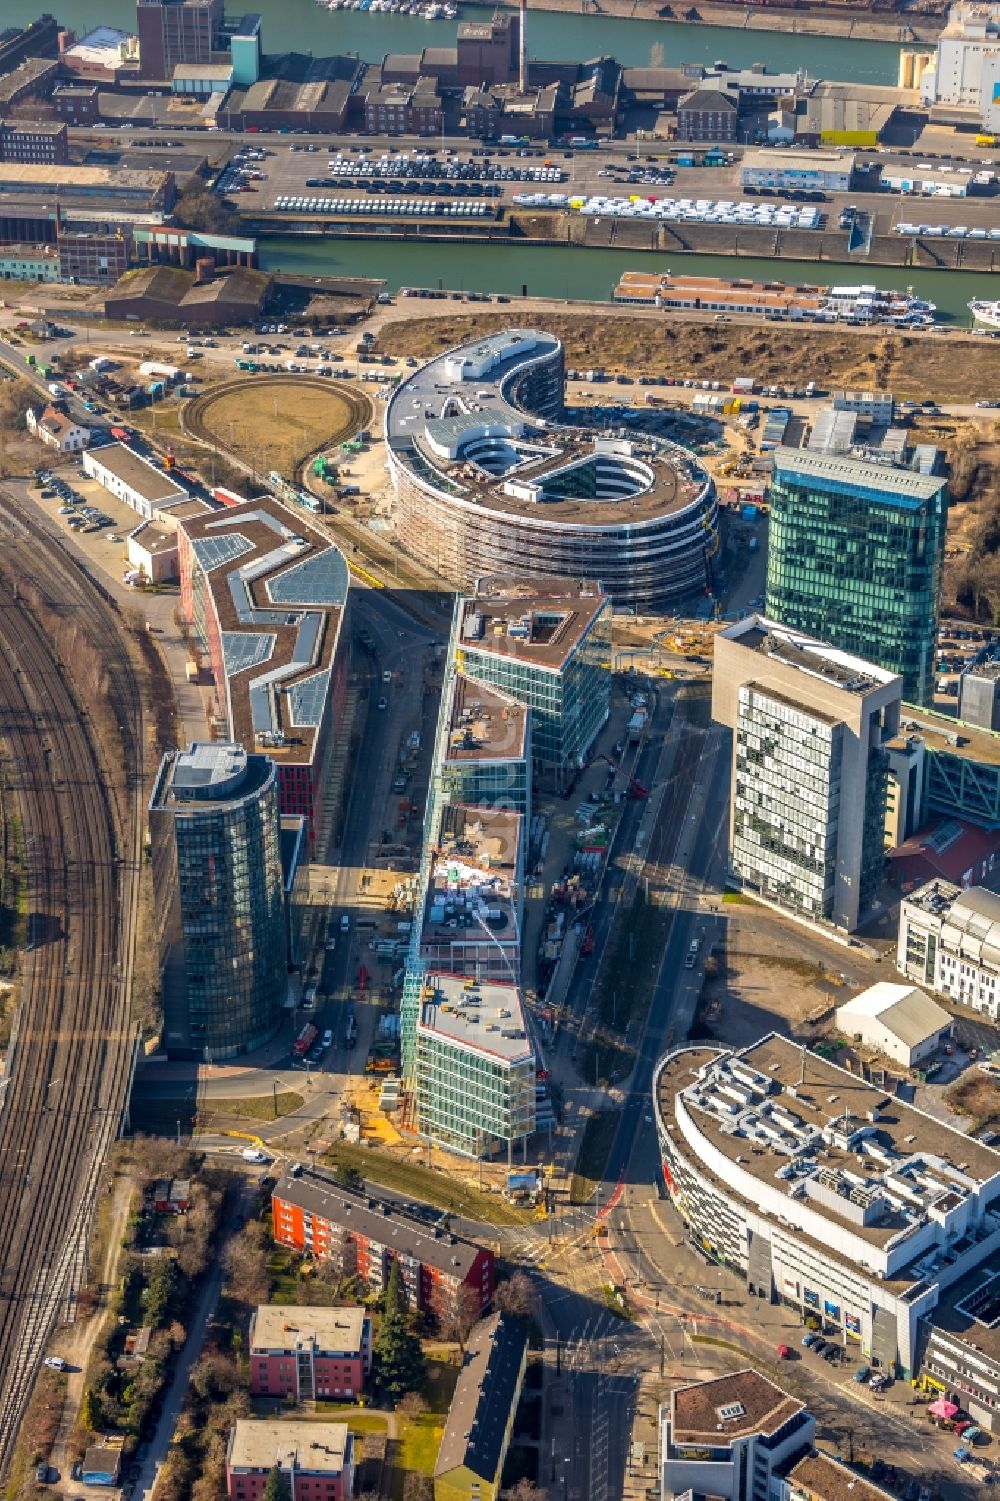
{"x":277,"y":1487}
{"x":349,"y":1177}
{"x":399,"y":1359}
{"x":396,"y":1298}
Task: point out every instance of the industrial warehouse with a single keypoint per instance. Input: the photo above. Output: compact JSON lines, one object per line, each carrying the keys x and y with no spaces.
{"x":489,"y":482}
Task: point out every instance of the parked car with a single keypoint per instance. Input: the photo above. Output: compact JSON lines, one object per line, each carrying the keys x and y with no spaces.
{"x":808,"y":1340}
{"x":818,"y":1346}
{"x":862,"y":1374}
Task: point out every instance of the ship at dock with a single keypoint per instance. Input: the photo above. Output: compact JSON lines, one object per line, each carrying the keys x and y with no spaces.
{"x":986,"y":314}
{"x":777,"y":300}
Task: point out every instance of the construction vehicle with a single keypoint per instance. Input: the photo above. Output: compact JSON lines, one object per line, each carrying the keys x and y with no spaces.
{"x":635,"y":787}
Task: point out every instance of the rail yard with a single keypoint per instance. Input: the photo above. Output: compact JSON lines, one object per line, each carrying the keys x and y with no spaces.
{"x":73,"y":765}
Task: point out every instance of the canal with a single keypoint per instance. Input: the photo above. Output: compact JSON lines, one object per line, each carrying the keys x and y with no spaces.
{"x":303,"y":26}
{"x":573,"y":272}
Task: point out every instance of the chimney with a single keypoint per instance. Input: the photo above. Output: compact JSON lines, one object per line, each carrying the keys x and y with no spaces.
{"x":204,"y":269}
{"x":522,"y":72}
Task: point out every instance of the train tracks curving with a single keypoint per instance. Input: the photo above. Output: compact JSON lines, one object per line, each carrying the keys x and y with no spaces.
{"x":74,"y":770}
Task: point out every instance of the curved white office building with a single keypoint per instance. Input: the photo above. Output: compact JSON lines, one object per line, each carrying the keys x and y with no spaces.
{"x":825,"y":1193}
{"x":489,"y":482}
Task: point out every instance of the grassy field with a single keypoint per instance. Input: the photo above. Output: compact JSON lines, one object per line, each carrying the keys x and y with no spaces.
{"x":954,"y":369}
{"x":274,"y":424}
{"x":253,"y":1108}
{"x":411,"y":1177}
{"x":591,"y":1160}
{"x":417,"y":1448}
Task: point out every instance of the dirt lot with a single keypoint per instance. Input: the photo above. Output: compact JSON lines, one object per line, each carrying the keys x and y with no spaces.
{"x":952,"y":368}
{"x":977,"y":1096}
{"x":773,"y":976}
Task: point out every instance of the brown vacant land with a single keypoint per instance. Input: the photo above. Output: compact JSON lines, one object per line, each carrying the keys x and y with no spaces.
{"x":951,"y":368}
{"x":977,"y":1096}
{"x":275,"y":423}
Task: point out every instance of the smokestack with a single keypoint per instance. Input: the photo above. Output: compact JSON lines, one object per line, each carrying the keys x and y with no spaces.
{"x":522,"y":70}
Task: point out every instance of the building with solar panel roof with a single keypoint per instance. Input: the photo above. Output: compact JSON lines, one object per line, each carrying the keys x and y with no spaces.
{"x":266,"y":596}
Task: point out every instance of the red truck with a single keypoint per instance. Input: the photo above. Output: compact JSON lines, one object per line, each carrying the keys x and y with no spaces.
{"x":305,"y":1040}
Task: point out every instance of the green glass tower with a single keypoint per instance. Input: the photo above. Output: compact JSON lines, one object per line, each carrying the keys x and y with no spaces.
{"x":855,"y":555}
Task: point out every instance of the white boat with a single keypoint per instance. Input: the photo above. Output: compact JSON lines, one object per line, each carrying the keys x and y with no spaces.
{"x":987,"y":313}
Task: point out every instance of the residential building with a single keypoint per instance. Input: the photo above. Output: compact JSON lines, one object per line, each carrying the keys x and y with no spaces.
{"x":176,"y":31}
{"x":873,"y":1211}
{"x":473,"y":906}
{"x":979,"y":692}
{"x":266,"y":595}
{"x":822,"y":1477}
{"x":132,"y":478}
{"x":53,"y":428}
{"x":707,"y":114}
{"x":309,"y":1353}
{"x":485,"y":759}
{"x":731,"y":1437}
{"x":899,"y":1021}
{"x":548,"y":648}
{"x":855,"y":557}
{"x":34,"y":141}
{"x":363,"y":1236}
{"x":217,"y":883}
{"x":810,"y":772}
{"x":316,"y":1459}
{"x":959,"y":1352}
{"x":481,"y":1417}
{"x":814,"y":171}
{"x":475,"y":1072}
{"x":949,"y":939}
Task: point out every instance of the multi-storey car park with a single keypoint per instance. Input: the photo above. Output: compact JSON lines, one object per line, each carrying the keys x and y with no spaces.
{"x":488,"y":480}
{"x":849,"y":1206}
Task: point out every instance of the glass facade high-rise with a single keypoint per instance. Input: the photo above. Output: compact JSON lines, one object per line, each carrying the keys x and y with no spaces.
{"x":217,"y":878}
{"x":855,"y":557}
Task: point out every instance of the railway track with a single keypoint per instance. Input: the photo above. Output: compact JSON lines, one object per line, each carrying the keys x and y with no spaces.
{"x":79,"y":798}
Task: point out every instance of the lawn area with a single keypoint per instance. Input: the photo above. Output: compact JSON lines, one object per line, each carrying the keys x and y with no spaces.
{"x":418,"y":1444}
{"x":410,"y":1177}
{"x":591,"y":1160}
{"x":277,"y":422}
{"x":253,"y":1108}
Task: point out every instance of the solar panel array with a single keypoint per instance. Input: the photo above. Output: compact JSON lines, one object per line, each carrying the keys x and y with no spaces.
{"x":319,"y":580}
{"x":306,"y":699}
{"x":212,"y":552}
{"x":241,"y":650}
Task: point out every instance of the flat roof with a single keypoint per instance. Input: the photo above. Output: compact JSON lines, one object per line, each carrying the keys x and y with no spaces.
{"x":439,"y":415}
{"x":729,"y":1407}
{"x":817,"y":659}
{"x":485,"y":725}
{"x":278,"y":588}
{"x":945,"y":735}
{"x":879,"y":480}
{"x":71,"y":175}
{"x":293,"y":1443}
{"x":820,"y":1477}
{"x":148,"y":482}
{"x":207,"y":774}
{"x":155,"y":537}
{"x":481,"y":1410}
{"x":543,"y":627}
{"x":970,"y":1312}
{"x":867,"y":1161}
{"x":393,"y":1223}
{"x":798,"y":161}
{"x":290,"y":1327}
{"x":483,"y":1016}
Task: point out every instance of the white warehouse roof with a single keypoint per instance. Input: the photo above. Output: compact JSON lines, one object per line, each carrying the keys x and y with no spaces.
{"x":908,"y":1013}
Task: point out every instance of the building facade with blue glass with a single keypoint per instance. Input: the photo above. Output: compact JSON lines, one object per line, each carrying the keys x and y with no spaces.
{"x":855,"y":558}
{"x":217,"y":878}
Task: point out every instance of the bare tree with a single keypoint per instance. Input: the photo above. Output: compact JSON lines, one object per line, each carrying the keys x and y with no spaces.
{"x":248,"y":1278}
{"x":461,"y":1315}
{"x":413,"y":1405}
{"x":417,"y":1487}
{"x":524,"y":1490}
{"x":516,"y":1296}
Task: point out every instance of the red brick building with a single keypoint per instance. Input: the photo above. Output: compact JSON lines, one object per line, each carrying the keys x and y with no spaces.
{"x":317,"y":1459}
{"x":309,"y":1353}
{"x":364,"y":1236}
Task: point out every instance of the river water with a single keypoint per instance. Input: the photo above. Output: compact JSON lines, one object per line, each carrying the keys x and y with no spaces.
{"x":301,"y":25}
{"x":574,"y":272}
